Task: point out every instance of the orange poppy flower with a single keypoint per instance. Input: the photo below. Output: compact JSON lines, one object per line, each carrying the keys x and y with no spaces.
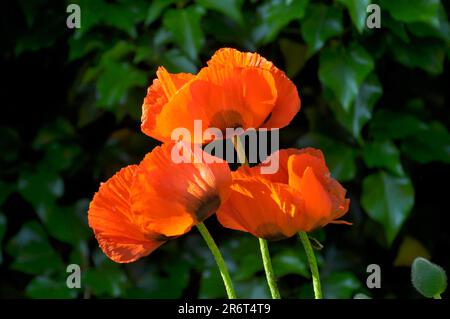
{"x":236,"y":89}
{"x":301,"y":196}
{"x":142,"y":206}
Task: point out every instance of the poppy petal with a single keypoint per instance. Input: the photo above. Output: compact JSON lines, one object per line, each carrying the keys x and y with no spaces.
{"x":288,"y":101}
{"x":159,"y":94}
{"x":170,"y":197}
{"x":264,"y":209}
{"x":111,"y":219}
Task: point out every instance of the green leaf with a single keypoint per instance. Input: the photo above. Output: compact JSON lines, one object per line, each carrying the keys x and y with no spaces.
{"x":383,"y":154}
{"x":92,"y":13}
{"x":340,"y":285}
{"x":321,"y":22}
{"x":59,"y":130}
{"x":41,"y":187}
{"x":360,"y":111}
{"x":113,"y":92}
{"x":67,"y":224}
{"x":184,"y":24}
{"x":340,"y":158}
{"x":106,"y":280}
{"x":357,"y":10}
{"x":431,"y":144}
{"x":120,"y":16}
{"x":428,"y":278}
{"x":80,"y":47}
{"x":2,"y":234}
{"x":335,"y":285}
{"x":230,"y":8}
{"x":154,"y":283}
{"x":388,"y":200}
{"x":343,"y":71}
{"x":396,"y":27}
{"x":249,"y":265}
{"x":426,"y":54}
{"x":290,"y":261}
{"x":417,"y":11}
{"x":32,"y":251}
{"x":175,"y":61}
{"x":255,"y":288}
{"x":295,"y":56}
{"x":43,"y":287}
{"x":441,"y":31}
{"x":155,"y":9}
{"x":276,"y":14}
{"x":392,"y":125}
{"x":60,"y":157}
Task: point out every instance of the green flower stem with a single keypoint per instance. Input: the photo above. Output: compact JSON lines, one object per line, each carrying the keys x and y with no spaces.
{"x":270,"y":275}
{"x":438,"y":296}
{"x":219,"y":260}
{"x":312,"y":264}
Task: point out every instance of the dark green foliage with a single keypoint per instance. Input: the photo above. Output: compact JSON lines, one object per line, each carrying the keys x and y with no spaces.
{"x":374,"y":100}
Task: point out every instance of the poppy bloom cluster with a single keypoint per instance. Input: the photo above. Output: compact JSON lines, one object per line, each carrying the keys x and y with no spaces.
{"x":143,"y":206}
{"x":236,"y":89}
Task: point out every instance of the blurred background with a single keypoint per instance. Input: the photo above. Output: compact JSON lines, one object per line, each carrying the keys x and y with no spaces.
{"x":374,"y":100}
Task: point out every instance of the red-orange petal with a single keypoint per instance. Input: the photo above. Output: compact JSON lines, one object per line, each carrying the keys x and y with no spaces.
{"x":163,"y":88}
{"x":264,"y":209}
{"x":220,"y":97}
{"x":114,"y":224}
{"x":288,"y":100}
{"x":170,"y":197}
{"x":324,"y":198}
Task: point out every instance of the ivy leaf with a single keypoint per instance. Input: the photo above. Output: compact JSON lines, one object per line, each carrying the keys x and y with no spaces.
{"x":155,"y":10}
{"x":392,"y":125}
{"x":106,"y":279}
{"x":113,"y":92}
{"x":426,"y":54}
{"x":357,"y":10}
{"x":360,"y":111}
{"x":231,"y":8}
{"x":295,"y":56}
{"x":388,"y":200}
{"x":43,"y":287}
{"x":441,"y":31}
{"x":185,"y":27}
{"x":32,"y":251}
{"x":278,"y":13}
{"x":431,"y":144}
{"x":428,"y":278}
{"x":321,"y":23}
{"x":418,"y":11}
{"x":343,"y":70}
{"x":65,"y":223}
{"x":291,"y":262}
{"x":175,"y":61}
{"x":40,"y":188}
{"x":396,"y":27}
{"x":340,"y":285}
{"x":383,"y":154}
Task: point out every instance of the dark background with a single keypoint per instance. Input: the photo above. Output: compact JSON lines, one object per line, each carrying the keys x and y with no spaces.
{"x":70,"y":116}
